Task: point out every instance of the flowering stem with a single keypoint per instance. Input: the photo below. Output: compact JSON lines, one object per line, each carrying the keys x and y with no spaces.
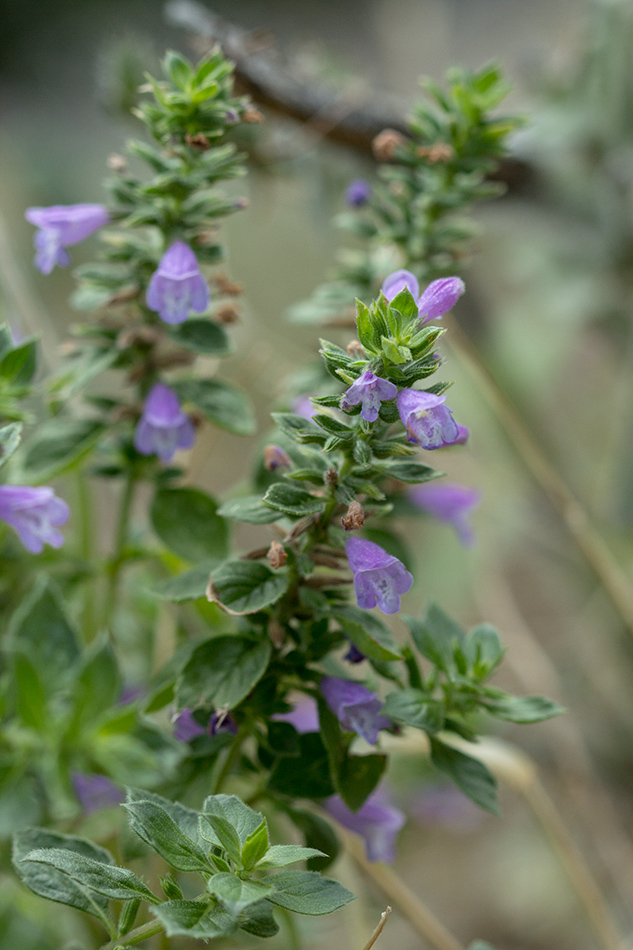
{"x":409,"y":904}
{"x":596,"y":553}
{"x":384,"y":917}
{"x":229,"y":761}
{"x":118,"y":558}
{"x":86,"y":536}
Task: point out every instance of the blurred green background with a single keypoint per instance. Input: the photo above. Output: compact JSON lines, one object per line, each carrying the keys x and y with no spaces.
{"x":549,"y":304}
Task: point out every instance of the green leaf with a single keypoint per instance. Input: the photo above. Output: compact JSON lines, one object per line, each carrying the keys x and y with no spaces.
{"x":244,"y":587}
{"x":409,"y":471}
{"x":202,"y":336}
{"x":281,"y":855}
{"x":240,"y":816}
{"x":250,"y":508}
{"x":306,"y":892}
{"x":367,"y":632}
{"x":219,"y":831}
{"x":236,"y":894}
{"x":30,"y":696}
{"x":358,"y":777}
{"x":182,"y":918}
{"x":483,"y":650}
{"x":98,"y":683}
{"x":40,"y":629}
{"x":10,"y":436}
{"x":435,"y":636}
{"x":306,"y":775}
{"x":297,"y":428}
{"x":255,"y":846}
{"x":222,"y":671}
{"x":157,"y":829}
{"x":19,"y":364}
{"x":178,"y":69}
{"x":260,"y":921}
{"x":58,"y":445}
{"x":50,"y":883}
{"x":522,"y":708}
{"x":191,"y":585}
{"x":412,"y":708}
{"x":469,"y":774}
{"x":187,"y":522}
{"x":292,"y":500}
{"x":318,"y":834}
{"x":224,"y":405}
{"x":185,"y":818}
{"x":115,"y":883}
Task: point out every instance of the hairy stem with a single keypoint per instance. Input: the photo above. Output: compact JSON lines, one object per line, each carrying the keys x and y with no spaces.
{"x":150,"y":929}
{"x":121,"y":538}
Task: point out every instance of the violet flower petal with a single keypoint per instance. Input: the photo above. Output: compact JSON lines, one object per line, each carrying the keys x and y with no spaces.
{"x":304,"y":716}
{"x":60,"y":226}
{"x":440,"y":297}
{"x":96,"y":791}
{"x":428,"y":422}
{"x":177,"y":286}
{"x":35,"y":513}
{"x":164,"y":427}
{"x":378,"y":821}
{"x":187,"y":727}
{"x":371,"y":391}
{"x":394,"y":283}
{"x":356,"y":707}
{"x":358,"y":192}
{"x":379,"y":578}
{"x":449,"y":502}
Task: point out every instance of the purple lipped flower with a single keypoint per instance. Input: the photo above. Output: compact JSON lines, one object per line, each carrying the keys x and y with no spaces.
{"x":187,"y":727}
{"x":438,"y":298}
{"x":164,"y":427}
{"x":396,"y":282}
{"x":35,"y":515}
{"x":354,"y":655}
{"x":302,"y":406}
{"x":304,"y":716}
{"x":356,"y":707}
{"x":96,"y":791}
{"x":177,"y":286}
{"x":462,"y":435}
{"x":358,"y":192}
{"x":60,"y":226}
{"x":427,"y":420}
{"x":379,"y":578}
{"x":371,"y":391}
{"x":443,"y":804}
{"x":378,"y":821}
{"x":449,"y":502}
{"x":222,"y":721}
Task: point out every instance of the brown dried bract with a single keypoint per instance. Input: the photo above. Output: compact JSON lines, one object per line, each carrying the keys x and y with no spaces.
{"x":355,"y":517}
{"x":138,"y":336}
{"x":199,"y":141}
{"x":227,"y":286}
{"x":438,"y":152}
{"x":227,"y":314}
{"x":277,"y":556}
{"x":252,"y":115}
{"x":354,"y":349}
{"x":117,"y":164}
{"x":385,"y":144}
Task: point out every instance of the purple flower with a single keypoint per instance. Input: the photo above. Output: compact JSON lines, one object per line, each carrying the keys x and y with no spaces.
{"x":356,"y":707}
{"x":60,"y":226}
{"x":187,"y":727}
{"x":428,"y":422}
{"x":443,"y":804}
{"x":302,"y":405}
{"x":462,"y":435}
{"x":275,"y":457}
{"x":369,"y":390}
{"x":164,"y":427}
{"x":379,"y":578}
{"x":96,"y":791}
{"x":222,"y":721}
{"x":304,"y":716}
{"x":449,"y":502}
{"x":354,"y":655}
{"x":177,"y":286}
{"x":35,"y":514}
{"x":438,"y":298}
{"x":358,"y":192}
{"x":377,"y":821}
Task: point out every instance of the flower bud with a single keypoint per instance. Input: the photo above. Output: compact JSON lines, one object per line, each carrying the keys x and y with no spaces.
{"x":355,"y":517}
{"x":385,"y":144}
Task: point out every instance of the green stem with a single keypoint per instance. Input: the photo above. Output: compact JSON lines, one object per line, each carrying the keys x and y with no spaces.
{"x":150,"y":929}
{"x":118,"y":558}
{"x":86,"y":545}
{"x":229,"y":761}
